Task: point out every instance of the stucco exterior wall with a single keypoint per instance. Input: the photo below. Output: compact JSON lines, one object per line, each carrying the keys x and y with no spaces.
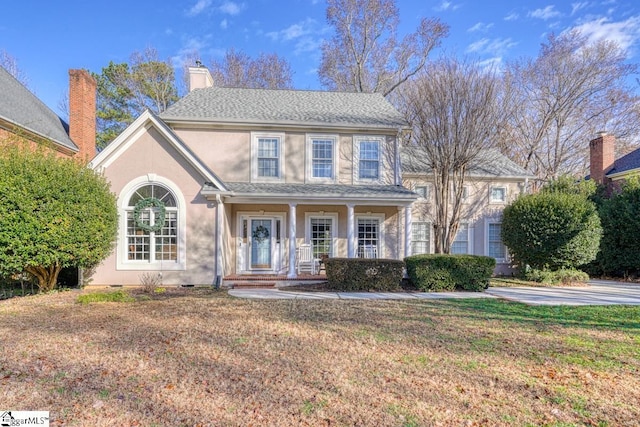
{"x":151,"y":157}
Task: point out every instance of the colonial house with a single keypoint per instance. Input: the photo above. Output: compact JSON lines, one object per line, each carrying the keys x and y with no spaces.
{"x":604,"y":168}
{"x":231,"y":183}
{"x":491,"y":183}
{"x":24,"y":117}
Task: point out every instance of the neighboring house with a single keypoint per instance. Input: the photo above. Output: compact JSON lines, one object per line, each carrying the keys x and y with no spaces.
{"x":243,"y":177}
{"x":24,"y":117}
{"x":492,"y":182}
{"x":604,"y":168}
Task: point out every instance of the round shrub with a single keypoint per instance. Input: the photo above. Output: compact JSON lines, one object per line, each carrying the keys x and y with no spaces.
{"x":551,"y":230}
{"x":440,"y":272}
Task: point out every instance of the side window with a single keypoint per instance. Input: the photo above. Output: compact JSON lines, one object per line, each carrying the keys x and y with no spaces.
{"x":498,"y":195}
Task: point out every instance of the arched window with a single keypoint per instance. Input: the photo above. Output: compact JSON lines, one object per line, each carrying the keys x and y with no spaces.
{"x":147,"y":240}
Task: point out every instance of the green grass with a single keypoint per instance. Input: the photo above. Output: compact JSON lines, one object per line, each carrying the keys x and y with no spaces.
{"x":117,"y":296}
{"x":615,"y":317}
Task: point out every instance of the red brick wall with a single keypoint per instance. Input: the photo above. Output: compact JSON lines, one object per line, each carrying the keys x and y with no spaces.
{"x":82,"y":113}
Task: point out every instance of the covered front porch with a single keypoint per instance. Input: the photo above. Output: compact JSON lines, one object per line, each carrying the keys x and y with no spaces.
{"x":266,"y":225}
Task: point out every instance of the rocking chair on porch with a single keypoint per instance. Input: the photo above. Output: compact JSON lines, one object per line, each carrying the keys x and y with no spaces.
{"x":306,"y":261}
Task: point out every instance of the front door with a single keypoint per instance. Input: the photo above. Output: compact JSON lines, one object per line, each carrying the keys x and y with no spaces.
{"x":261,"y":244}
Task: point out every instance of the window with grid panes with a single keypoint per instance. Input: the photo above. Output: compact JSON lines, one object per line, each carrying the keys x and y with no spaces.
{"x":268,"y":157}
{"x":152,"y":246}
{"x":368,"y":235}
{"x":420,"y":237}
{"x":321,"y":236}
{"x":461,"y":243}
{"x":497,"y":249}
{"x":369,"y":162}
{"x":322,"y":158}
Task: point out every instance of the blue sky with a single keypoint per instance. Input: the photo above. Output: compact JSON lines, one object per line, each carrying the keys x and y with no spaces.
{"x":48,"y":38}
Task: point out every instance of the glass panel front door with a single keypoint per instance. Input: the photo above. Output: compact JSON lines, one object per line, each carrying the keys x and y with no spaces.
{"x":261,"y":235}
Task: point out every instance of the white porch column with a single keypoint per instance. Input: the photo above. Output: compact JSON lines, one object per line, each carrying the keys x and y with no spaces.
{"x":407,"y":231}
{"x":219,"y":241}
{"x":350,"y":231}
{"x":292,"y":240}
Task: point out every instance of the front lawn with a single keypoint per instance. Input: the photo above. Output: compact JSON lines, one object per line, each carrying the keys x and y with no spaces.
{"x":201,"y":358}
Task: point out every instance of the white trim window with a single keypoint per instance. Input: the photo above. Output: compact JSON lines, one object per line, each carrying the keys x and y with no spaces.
{"x":498,"y":194}
{"x":495,"y":248}
{"x":423,"y":191}
{"x":370,"y":236}
{"x":462,"y":241}
{"x":368,"y":158}
{"x":420,"y":238}
{"x":267,"y":154}
{"x":144,"y":244}
{"x":321,"y":158}
{"x":321,"y":232}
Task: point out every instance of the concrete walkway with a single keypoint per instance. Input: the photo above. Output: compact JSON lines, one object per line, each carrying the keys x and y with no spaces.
{"x":598,"y":293}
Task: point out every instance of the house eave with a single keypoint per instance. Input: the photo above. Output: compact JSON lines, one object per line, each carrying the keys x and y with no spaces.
{"x":20,"y":130}
{"x":305,"y":199}
{"x":624,"y":174}
{"x":185,"y":122}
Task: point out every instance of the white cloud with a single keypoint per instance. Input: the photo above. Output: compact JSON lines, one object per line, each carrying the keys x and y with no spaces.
{"x":546,"y":13}
{"x":512,"y":16}
{"x":224,"y":24}
{"x":231,"y":8}
{"x":625,"y":33}
{"x":480,"y":26}
{"x":495,"y":47}
{"x":578,"y":6}
{"x":199,"y":7}
{"x":446,"y":5}
{"x":294,"y":31}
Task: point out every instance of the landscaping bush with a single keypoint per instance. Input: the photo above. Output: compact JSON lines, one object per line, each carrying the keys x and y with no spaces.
{"x":450,"y":272}
{"x":360,"y":274}
{"x":619,"y":249}
{"x":563,"y":276}
{"x":551,"y":230}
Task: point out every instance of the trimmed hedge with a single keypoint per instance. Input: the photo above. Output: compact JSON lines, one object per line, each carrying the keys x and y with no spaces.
{"x":439,"y":272}
{"x":563,"y":276}
{"x":360,"y":274}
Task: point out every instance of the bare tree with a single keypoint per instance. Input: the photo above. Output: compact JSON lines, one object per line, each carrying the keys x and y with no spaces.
{"x":10,"y":63}
{"x":237,"y":69}
{"x":454,"y":110}
{"x":562,"y":98}
{"x":364,"y":54}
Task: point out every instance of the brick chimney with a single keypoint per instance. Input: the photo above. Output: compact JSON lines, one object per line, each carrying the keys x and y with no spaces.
{"x":199,"y":77}
{"x":601,"y":156}
{"x":82,"y":113}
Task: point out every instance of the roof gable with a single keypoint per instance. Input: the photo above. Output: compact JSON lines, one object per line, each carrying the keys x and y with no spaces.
{"x":119,"y":146}
{"x":286,"y":107}
{"x":20,"y":107}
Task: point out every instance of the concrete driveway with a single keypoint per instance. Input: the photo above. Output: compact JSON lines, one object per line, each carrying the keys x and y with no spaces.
{"x":598,"y":293}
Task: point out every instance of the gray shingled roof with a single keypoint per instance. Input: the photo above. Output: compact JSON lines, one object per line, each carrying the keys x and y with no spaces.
{"x":310,"y":191}
{"x":22,"y":108}
{"x":626,"y":163}
{"x":490,"y":163}
{"x":286,"y":107}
